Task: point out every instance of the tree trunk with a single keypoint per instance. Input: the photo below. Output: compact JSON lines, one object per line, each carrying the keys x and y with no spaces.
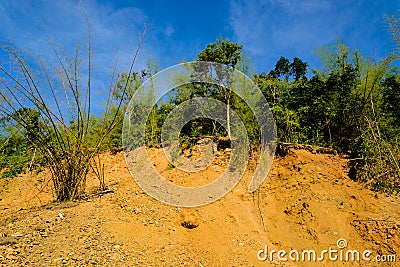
{"x":228,"y":119}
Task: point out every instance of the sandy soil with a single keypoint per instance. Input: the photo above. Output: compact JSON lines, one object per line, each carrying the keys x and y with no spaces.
{"x":307,"y":203}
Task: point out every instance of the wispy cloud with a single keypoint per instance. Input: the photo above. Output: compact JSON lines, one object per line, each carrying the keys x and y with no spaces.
{"x":28,"y":25}
{"x":268,"y":29}
{"x":273,"y":28}
{"x":305,"y":7}
{"x":169,"y":30}
{"x":115,"y":32}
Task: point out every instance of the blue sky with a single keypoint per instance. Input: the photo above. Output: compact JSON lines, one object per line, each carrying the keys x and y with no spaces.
{"x":179,"y":30}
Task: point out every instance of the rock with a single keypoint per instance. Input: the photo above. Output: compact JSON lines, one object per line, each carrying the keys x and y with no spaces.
{"x":40,"y":228}
{"x":17,"y":234}
{"x":11,"y":257}
{"x":115,"y":256}
{"x":189,"y":220}
{"x":7,"y":241}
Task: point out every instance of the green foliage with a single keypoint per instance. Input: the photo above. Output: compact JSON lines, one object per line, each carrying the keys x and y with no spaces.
{"x":127,"y":85}
{"x":222,"y":51}
{"x":391,"y":105}
{"x":13,"y":156}
{"x":60,"y":126}
{"x":352,"y":104}
{"x":283,"y":69}
{"x":14,"y":151}
{"x":340,"y":106}
{"x":284,"y":96}
{"x":376,"y":162}
{"x":123,"y":91}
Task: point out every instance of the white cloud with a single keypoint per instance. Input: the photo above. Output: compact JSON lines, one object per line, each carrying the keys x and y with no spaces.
{"x":273,"y":28}
{"x":302,"y":7}
{"x":115,"y":33}
{"x":169,"y":30}
{"x":250,"y":24}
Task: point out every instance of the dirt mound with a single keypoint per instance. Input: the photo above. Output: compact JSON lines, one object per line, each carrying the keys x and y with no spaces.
{"x":307,"y":203}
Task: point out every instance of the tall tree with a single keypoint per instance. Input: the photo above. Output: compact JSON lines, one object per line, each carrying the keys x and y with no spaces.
{"x":228,"y":53}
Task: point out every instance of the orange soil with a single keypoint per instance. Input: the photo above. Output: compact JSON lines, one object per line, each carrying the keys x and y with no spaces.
{"x":306,"y":202}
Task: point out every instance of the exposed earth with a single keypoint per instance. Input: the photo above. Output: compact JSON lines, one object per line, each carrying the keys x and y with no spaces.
{"x":307,"y":202}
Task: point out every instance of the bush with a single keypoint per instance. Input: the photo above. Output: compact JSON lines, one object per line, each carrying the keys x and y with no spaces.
{"x":52,"y":104}
{"x":376,"y":163}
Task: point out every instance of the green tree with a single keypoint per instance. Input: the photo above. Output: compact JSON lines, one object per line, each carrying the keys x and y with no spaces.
{"x":284,"y":88}
{"x":228,"y":53}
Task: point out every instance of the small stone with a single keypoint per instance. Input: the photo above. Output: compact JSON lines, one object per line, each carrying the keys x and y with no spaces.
{"x":115,"y":256}
{"x":17,"y":234}
{"x":40,"y":228}
{"x":11,"y":257}
{"x":189,"y":220}
{"x":7,"y":241}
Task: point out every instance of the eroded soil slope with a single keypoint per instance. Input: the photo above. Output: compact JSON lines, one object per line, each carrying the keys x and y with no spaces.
{"x":307,"y":202}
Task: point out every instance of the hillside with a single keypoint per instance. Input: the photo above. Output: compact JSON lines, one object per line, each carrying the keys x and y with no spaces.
{"x":307,"y":203}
